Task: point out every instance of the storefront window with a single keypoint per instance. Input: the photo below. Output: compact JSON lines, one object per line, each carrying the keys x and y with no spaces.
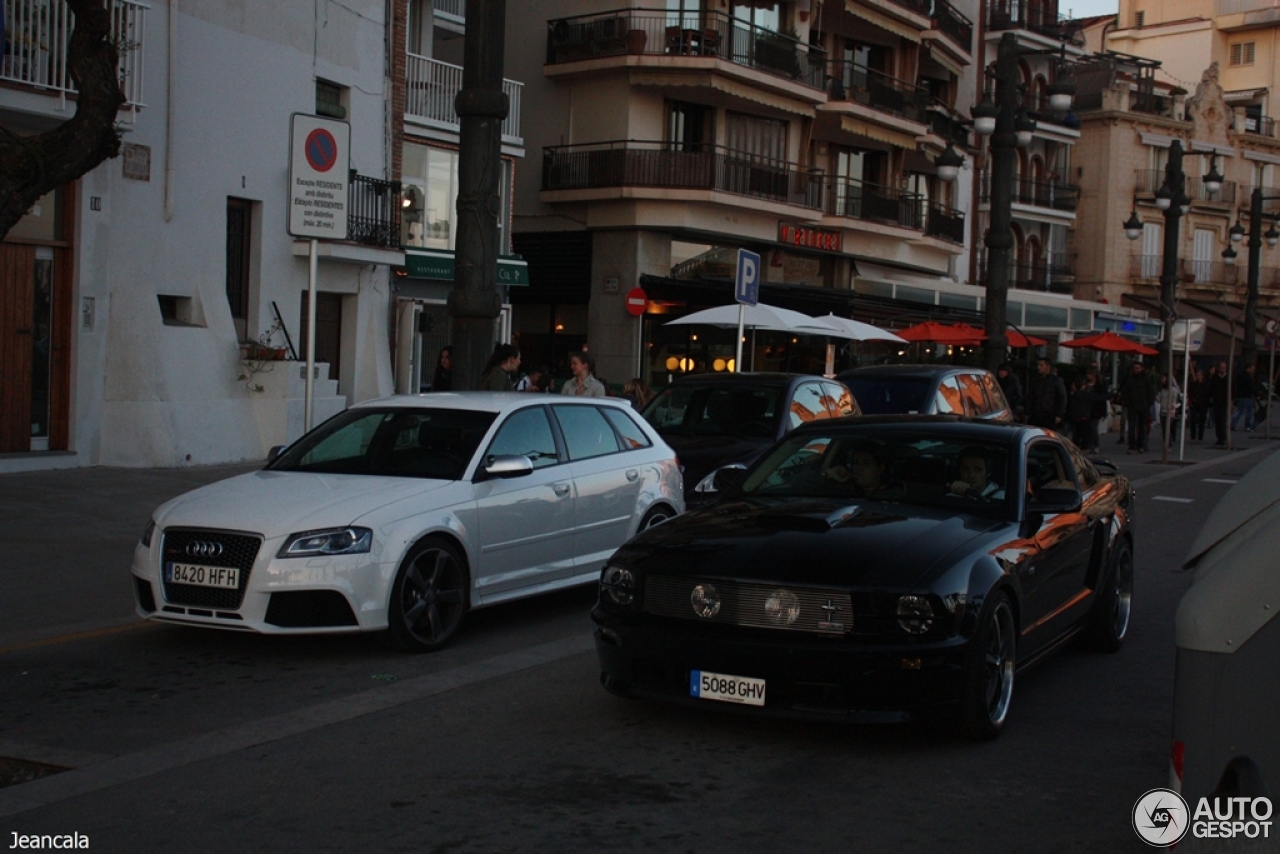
{"x":430,"y":178}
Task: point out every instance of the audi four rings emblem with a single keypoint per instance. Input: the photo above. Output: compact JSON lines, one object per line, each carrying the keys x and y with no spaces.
{"x":200,"y":548}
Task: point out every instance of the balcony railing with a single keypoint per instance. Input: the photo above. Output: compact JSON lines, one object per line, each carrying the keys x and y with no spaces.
{"x":948,"y":124}
{"x":1037,"y":16}
{"x":432,"y":86}
{"x":1041,"y":194}
{"x":1212,"y":273}
{"x":629,"y":163}
{"x":655,"y":32}
{"x":852,"y":82}
{"x":37,"y":34}
{"x":945,"y":223}
{"x":861,"y":200}
{"x":1262,"y":125}
{"x":1146,"y":267}
{"x":1147,"y":181}
{"x":952,"y":24}
{"x":373,"y":217}
{"x":1054,"y":273}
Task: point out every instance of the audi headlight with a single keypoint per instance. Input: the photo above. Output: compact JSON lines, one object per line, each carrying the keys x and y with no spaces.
{"x":707,"y":485}
{"x":618,"y":585}
{"x":331,"y":541}
{"x":146,"y":535}
{"x":915,"y":614}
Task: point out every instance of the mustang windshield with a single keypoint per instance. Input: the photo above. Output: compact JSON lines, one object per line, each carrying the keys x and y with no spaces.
{"x":431,"y":443}
{"x":907,"y":466}
{"x":691,"y":410}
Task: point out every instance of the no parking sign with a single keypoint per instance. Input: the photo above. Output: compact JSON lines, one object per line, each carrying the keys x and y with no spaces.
{"x":319,"y":158}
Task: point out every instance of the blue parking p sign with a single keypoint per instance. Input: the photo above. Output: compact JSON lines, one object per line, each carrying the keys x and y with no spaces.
{"x":747,"y":285}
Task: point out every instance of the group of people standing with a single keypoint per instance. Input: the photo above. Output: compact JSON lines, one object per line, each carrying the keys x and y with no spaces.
{"x":502,"y":373}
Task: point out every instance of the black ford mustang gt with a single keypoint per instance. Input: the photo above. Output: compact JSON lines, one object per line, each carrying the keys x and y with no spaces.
{"x":875,"y":569}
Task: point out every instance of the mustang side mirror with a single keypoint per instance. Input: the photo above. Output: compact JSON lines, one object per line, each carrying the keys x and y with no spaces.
{"x":509,"y":465}
{"x":729,"y":477}
{"x":1055,"y":499}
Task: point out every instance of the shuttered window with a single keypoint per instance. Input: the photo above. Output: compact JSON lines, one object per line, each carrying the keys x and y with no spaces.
{"x":765,"y":138}
{"x":1242,"y":53}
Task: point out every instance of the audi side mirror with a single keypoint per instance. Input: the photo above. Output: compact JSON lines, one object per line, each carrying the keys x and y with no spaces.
{"x":274,"y":452}
{"x":509,"y":465}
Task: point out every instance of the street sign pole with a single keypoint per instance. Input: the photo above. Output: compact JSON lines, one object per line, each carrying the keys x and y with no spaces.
{"x":309,"y":394}
{"x":1186,"y":374}
{"x":1272,"y":328}
{"x":746,"y":291}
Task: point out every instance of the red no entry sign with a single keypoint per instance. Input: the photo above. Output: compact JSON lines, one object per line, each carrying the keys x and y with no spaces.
{"x":322,"y":150}
{"x":637,"y":301}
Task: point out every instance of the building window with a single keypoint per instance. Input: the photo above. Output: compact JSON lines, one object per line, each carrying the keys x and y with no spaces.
{"x":765,"y":138}
{"x":1139,"y":19}
{"x":329,"y":100}
{"x":430,"y":179}
{"x":239,"y":230}
{"x":1242,"y":53}
{"x":689,"y":126}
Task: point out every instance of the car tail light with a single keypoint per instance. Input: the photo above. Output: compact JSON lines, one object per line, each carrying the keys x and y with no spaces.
{"x":1176,"y":752}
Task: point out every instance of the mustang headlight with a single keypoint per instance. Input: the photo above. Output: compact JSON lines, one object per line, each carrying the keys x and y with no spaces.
{"x":782,"y":607}
{"x":707,"y":485}
{"x":618,"y":585}
{"x":915,"y":614}
{"x":146,"y":535}
{"x":331,"y":541}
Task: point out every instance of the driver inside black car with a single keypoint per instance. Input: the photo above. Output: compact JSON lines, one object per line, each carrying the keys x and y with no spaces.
{"x":865,"y":470}
{"x":975,"y":477}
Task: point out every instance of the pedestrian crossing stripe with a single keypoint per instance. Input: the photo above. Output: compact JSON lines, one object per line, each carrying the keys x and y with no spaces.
{"x":1171,"y":498}
{"x":1219,"y":480}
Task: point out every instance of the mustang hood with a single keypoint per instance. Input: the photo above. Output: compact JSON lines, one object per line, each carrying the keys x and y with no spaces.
{"x":277,"y":503}
{"x":814,"y":542}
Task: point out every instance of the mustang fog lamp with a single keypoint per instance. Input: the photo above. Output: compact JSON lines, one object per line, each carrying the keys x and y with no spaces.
{"x":782,"y":607}
{"x":705,"y":600}
{"x":334,"y":541}
{"x":915,"y":614}
{"x":618,"y":585}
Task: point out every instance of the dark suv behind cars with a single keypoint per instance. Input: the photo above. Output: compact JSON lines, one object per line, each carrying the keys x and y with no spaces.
{"x":717,"y":420}
{"x":927,"y":390}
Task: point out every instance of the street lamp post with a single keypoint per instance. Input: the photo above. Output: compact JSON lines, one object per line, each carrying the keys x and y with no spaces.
{"x":999,"y":239}
{"x":1257,"y":197}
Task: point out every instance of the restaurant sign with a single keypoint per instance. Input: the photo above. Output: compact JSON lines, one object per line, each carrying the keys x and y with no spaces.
{"x":790,"y":234}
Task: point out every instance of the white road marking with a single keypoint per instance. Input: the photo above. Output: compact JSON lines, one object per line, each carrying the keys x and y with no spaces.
{"x":1218,"y":480}
{"x":1171,"y":498}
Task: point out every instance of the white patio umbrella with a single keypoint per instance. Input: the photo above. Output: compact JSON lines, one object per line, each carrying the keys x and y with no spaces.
{"x":844,"y":327}
{"x":758,"y":316}
{"x":741,"y":317}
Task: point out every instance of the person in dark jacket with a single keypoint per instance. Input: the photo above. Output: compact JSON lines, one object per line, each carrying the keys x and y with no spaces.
{"x":1243,"y":392}
{"x":1011,"y":386}
{"x":1137,"y":395}
{"x":1099,"y":396}
{"x":442,"y":380}
{"x":1219,"y":402}
{"x":499,"y":373}
{"x":1046,"y":398}
{"x":1197,"y":405}
{"x":1079,"y":408}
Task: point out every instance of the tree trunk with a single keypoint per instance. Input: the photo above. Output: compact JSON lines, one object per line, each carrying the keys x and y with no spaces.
{"x":31,"y":166}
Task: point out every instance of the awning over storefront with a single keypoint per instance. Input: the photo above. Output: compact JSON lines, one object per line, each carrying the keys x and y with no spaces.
{"x":438,"y":264}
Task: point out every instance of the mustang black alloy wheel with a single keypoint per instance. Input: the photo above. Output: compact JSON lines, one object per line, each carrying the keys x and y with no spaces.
{"x":429,"y":597}
{"x":1109,"y":621}
{"x":988,"y":677}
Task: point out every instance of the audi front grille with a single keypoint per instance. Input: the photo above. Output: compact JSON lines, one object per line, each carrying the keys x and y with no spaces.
{"x":206,"y":547}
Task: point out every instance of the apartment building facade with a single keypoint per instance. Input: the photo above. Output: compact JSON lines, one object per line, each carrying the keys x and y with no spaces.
{"x":1128,"y":119}
{"x":673,"y":134}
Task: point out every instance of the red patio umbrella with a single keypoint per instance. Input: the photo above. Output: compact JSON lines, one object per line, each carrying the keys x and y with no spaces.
{"x":1111,"y":343}
{"x":1018,"y":340}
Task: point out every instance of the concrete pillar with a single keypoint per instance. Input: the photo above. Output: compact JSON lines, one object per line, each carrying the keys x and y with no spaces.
{"x":611,"y":331}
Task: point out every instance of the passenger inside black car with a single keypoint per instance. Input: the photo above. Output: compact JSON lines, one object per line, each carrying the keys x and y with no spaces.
{"x":864,"y":468}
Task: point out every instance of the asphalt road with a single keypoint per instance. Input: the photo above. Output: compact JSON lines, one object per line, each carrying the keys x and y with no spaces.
{"x":190,"y":740}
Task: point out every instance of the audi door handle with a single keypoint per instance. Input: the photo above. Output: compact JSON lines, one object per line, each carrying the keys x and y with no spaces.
{"x":561,"y":489}
{"x":632,"y":474}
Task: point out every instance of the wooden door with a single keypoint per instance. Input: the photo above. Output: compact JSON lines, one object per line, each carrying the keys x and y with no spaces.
{"x":17,"y":272}
{"x":328,"y":331}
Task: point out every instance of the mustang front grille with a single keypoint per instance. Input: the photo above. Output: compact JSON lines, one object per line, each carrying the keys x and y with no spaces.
{"x":208,"y":548}
{"x":766,"y":606}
